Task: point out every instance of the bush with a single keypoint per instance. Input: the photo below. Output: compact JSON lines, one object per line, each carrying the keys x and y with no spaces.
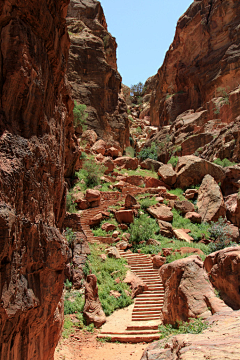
{"x":173,"y":161}
{"x":149,"y":153}
{"x":137,"y":90}
{"x":220,"y":231}
{"x":146,"y":203}
{"x":76,"y":304}
{"x":130,"y":151}
{"x":107,"y":272}
{"x":70,"y":235}
{"x":80,"y":115}
{"x":70,"y":205}
{"x":195,"y":326}
{"x":91,"y":173}
{"x":142,"y":229}
{"x":224,"y":163}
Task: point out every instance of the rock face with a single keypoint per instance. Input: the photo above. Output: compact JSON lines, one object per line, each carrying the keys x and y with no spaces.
{"x":210,"y":202}
{"x":219,"y":341}
{"x":233,"y":208}
{"x":93,"y":311}
{"x":36,"y":141}
{"x":191,"y":170}
{"x":224,"y":267}
{"x":195,"y":94}
{"x":191,"y":74}
{"x":188,"y":293}
{"x":92,"y":71}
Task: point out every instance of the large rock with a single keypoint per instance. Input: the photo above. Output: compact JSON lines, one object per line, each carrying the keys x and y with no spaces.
{"x":127,"y":162}
{"x":89,"y":136}
{"x":150,"y":164}
{"x":166,"y":228}
{"x":191,"y":170}
{"x":124,"y":216}
{"x":188,"y":292}
{"x":161,"y":212}
{"x":93,"y":196}
{"x":109,"y":165}
{"x":130,"y":201}
{"x":99,"y":147}
{"x":137,"y":285}
{"x":184,"y":206}
{"x":93,"y":311}
{"x":151,"y":182}
{"x":232,"y":203}
{"x":210,"y":202}
{"x":194,"y":217}
{"x":37,"y":148}
{"x":92,"y":72}
{"x":181,"y":234}
{"x":219,"y":341}
{"x":223,"y":268}
{"x":167,"y":174}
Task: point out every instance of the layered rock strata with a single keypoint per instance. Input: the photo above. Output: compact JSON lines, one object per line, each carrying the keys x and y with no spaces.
{"x":92,"y":71}
{"x":36,"y":141}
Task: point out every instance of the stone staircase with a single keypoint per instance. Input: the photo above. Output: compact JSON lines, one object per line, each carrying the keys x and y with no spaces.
{"x":146,"y":314}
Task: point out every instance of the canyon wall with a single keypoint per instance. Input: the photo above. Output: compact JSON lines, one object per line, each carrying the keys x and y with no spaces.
{"x":196,"y":94}
{"x":204,"y":56}
{"x":37,"y":148}
{"x":92,"y":71}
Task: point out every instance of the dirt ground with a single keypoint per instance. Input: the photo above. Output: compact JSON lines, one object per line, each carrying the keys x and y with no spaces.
{"x":84,"y":346}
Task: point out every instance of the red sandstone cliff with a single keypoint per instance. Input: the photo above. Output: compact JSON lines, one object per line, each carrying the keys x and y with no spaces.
{"x":92,"y":71}
{"x":36,"y":140}
{"x":200,"y":75}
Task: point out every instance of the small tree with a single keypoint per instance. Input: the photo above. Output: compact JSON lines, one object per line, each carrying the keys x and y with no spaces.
{"x":80,"y":115}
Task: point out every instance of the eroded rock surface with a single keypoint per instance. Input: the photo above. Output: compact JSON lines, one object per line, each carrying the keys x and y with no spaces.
{"x":223,"y":268}
{"x":36,"y":141}
{"x":92,"y":71}
{"x":188,"y":292}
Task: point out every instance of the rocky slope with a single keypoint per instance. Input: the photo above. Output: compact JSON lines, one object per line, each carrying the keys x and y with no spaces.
{"x":92,"y":71}
{"x":36,"y":141}
{"x":196,"y":91}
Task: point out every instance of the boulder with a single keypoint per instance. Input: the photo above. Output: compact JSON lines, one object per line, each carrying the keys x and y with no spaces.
{"x":130,"y":201}
{"x":115,"y":293}
{"x":122,"y":245}
{"x":166,"y":228}
{"x":181,"y":234}
{"x":232,"y":203}
{"x":153,"y":242}
{"x":167,"y":174}
{"x":89,"y":136}
{"x":109,"y":165}
{"x":194,"y":217}
{"x":115,"y":234}
{"x":108,"y":227}
{"x":113,"y":152}
{"x":223,"y":268}
{"x":158,"y":261}
{"x":188,"y":292}
{"x":113,"y":252}
{"x":161,"y":212}
{"x":126,"y":236}
{"x":93,"y":311}
{"x":123,"y":227}
{"x":99,"y":147}
{"x":192,"y":169}
{"x":189,"y":250}
{"x":151,"y":182}
{"x":184,"y":206}
{"x":137,"y":285}
{"x":191,"y":194}
{"x":219,"y":341}
{"x":124,"y":216}
{"x":150,"y":164}
{"x":127,"y":162}
{"x":210,"y":202}
{"x":95,"y":220}
{"x":93,"y":196}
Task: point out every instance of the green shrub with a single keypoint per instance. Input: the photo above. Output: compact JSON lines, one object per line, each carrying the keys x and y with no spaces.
{"x":138,"y":130}
{"x":67,"y":327}
{"x":146,"y":203}
{"x":225,"y":162}
{"x":107,"y":272}
{"x":130,"y":151}
{"x":70,"y":205}
{"x":75,"y":304}
{"x":149,"y":153}
{"x":220,"y":231}
{"x":91,"y":173}
{"x":173,"y":161}
{"x":69,"y":235}
{"x":68,"y":284}
{"x":195,"y":326}
{"x":80,"y":115}
{"x":142,"y":229}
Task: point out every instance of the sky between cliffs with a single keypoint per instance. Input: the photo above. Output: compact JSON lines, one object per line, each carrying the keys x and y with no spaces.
{"x":144,"y":30}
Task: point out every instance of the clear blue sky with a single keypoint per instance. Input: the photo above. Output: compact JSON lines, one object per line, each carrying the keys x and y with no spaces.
{"x":144,"y":30}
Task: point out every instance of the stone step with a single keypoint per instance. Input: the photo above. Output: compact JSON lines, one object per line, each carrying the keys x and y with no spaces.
{"x":132,"y":332}
{"x":131,"y":338}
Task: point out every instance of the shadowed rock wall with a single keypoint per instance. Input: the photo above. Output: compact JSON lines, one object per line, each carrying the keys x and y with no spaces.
{"x":36,"y":140}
